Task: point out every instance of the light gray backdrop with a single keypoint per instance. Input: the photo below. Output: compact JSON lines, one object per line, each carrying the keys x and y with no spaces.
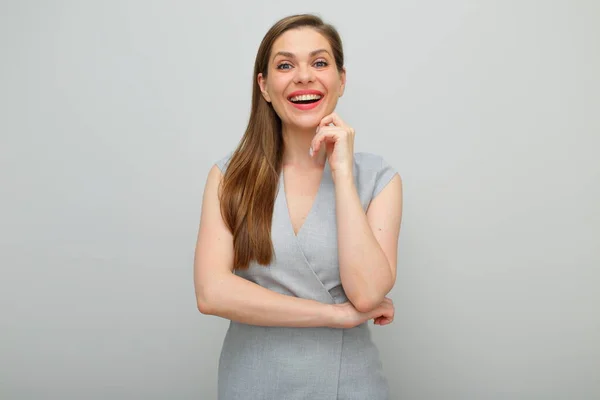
{"x":112,"y":113}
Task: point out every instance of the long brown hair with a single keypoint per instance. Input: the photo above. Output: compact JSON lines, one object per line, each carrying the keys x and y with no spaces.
{"x":251,"y":179}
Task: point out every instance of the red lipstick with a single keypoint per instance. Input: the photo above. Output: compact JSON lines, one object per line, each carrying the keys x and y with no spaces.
{"x":305,"y":106}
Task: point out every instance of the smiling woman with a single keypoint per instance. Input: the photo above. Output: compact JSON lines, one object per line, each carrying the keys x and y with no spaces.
{"x":298,"y":234}
{"x":303,"y":73}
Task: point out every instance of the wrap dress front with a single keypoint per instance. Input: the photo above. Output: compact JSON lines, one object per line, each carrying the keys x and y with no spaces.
{"x":278,"y":363}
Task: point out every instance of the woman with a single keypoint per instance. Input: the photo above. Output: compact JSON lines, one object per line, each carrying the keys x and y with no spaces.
{"x":298,"y":234}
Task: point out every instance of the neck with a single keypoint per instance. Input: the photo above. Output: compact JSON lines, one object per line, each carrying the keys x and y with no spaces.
{"x":296,"y":143}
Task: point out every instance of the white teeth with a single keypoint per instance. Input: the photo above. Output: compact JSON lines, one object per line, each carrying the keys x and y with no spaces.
{"x":305,"y":97}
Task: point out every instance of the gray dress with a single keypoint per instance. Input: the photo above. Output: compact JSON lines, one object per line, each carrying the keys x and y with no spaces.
{"x":277,"y":363}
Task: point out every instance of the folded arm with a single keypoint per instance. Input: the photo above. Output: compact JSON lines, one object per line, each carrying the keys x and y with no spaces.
{"x":220,"y":292}
{"x":367,"y":243}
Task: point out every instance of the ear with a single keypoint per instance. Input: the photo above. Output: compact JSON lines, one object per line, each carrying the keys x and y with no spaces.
{"x":343,"y":81}
{"x":262,"y":83}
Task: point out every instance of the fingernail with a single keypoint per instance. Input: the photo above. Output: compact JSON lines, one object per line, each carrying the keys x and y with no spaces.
{"x":310,"y":151}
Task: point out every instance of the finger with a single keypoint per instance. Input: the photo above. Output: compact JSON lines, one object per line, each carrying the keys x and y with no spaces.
{"x":332,"y":118}
{"x":325,"y":134}
{"x":382,"y":321}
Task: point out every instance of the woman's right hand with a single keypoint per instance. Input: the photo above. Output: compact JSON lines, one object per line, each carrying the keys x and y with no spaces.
{"x":346,"y":316}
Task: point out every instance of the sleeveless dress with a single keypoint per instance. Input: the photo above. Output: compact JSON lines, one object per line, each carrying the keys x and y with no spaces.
{"x":282,"y":363}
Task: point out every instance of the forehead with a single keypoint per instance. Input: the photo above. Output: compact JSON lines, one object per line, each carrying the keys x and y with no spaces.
{"x":301,"y":42}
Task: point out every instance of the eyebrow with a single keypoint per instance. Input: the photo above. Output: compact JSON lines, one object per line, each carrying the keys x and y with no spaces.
{"x":291,"y":55}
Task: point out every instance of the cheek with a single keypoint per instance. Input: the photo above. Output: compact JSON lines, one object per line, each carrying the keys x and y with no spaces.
{"x":277,"y":86}
{"x":332,"y":82}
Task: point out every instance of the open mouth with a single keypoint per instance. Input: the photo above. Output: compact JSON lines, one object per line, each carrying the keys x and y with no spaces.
{"x":305,"y":98}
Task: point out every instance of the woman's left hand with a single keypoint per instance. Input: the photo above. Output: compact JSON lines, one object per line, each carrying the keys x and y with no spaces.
{"x":339,"y":141}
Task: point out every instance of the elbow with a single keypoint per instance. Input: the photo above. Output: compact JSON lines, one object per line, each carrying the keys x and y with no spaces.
{"x":204,"y":302}
{"x":370,"y":301}
{"x":204,"y":307}
{"x":209,"y":294}
{"x":366,"y":304}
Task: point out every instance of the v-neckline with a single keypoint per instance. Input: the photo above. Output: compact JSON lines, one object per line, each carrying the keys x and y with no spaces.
{"x":312,"y":206}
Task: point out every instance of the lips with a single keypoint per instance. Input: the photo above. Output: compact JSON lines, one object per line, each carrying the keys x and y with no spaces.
{"x":305,"y":99}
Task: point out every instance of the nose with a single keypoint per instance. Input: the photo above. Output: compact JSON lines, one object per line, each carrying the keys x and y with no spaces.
{"x":304,"y":74}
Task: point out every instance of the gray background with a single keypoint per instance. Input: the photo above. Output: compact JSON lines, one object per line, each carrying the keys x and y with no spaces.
{"x":112,"y":113}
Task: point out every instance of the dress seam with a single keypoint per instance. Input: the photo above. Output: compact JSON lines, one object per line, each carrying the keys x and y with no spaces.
{"x":337,"y":392}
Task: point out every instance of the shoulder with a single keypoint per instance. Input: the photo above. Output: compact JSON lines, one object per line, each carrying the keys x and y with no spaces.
{"x":223,"y":162}
{"x":373,"y":172}
{"x":374,"y":165}
{"x":217,"y":172}
{"x":368,"y":161}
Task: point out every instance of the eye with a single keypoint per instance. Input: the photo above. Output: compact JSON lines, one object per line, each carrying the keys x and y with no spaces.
{"x":284,"y":65}
{"x":321,"y":63}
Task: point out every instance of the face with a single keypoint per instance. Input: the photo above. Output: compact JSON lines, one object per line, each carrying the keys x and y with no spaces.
{"x":303,"y":83}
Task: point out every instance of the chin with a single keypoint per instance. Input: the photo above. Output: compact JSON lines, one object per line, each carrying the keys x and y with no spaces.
{"x":306,"y":122}
{"x":308,"y":119}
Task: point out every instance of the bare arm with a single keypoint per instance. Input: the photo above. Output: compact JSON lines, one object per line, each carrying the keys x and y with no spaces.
{"x":220,"y":292}
{"x":367,"y":244}
{"x":240,"y":300}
